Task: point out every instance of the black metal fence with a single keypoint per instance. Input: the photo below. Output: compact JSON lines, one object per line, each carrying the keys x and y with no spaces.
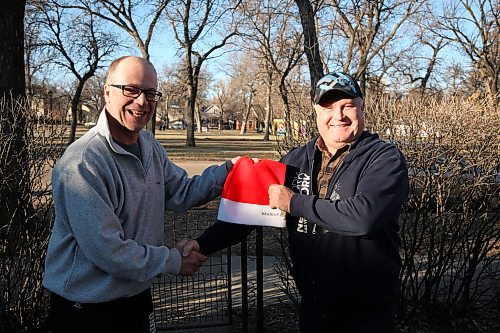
{"x":200,"y":301}
{"x":205,"y":300}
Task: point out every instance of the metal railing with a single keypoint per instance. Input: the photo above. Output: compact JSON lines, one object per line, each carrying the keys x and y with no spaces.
{"x":205,"y":300}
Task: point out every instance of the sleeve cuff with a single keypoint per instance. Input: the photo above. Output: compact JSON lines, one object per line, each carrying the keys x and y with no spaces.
{"x":229,"y":165}
{"x":297,"y":204}
{"x":174,"y":261}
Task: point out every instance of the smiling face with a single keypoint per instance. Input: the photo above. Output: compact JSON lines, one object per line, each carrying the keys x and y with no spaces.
{"x":129,"y":115}
{"x":340,"y":119}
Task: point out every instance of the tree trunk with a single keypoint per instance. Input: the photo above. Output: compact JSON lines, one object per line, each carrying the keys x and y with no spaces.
{"x":267,"y":120}
{"x":243,"y":129}
{"x":190,"y":142}
{"x":74,"y":111}
{"x":12,"y":51}
{"x":311,"y":44}
{"x":197,"y":117}
{"x":14,"y":180}
{"x":192,"y":91}
{"x":153,"y":123}
{"x":286,"y":104}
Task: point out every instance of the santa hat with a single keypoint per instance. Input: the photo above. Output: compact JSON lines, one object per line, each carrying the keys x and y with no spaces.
{"x":245,"y":199}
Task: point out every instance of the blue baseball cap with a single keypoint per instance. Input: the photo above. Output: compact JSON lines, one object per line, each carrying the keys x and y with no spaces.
{"x":339,"y":81}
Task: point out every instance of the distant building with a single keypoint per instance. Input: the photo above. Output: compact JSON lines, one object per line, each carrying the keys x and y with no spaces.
{"x":48,"y":106}
{"x":212,"y":117}
{"x":170,"y":117}
{"x":255,"y":120}
{"x":86,"y":114}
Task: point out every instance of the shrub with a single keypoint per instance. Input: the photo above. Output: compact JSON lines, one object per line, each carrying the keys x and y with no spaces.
{"x":23,"y":301}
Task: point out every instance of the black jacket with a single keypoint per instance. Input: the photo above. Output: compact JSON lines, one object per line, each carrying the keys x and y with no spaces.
{"x":344,"y":249}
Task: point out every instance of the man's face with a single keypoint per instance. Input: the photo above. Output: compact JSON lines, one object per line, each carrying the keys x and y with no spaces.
{"x":339,"y":118}
{"x":132,"y":113}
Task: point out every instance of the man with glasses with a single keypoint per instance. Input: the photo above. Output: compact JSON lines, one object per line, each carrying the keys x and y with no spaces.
{"x":111,"y":189}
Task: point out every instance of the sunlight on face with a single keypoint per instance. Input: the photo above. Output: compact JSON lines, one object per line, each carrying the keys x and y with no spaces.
{"x":131,"y":113}
{"x":340,"y":119}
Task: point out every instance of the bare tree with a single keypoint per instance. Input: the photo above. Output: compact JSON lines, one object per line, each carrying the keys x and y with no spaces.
{"x":193,"y":25}
{"x":93,"y":92}
{"x":307,"y":10}
{"x":474,"y":26}
{"x":34,"y":60}
{"x":368,"y":27}
{"x":129,"y":16}
{"x":457,"y":83}
{"x":245,"y":72}
{"x":204,"y":80}
{"x":273,"y":36}
{"x":81,"y":46}
{"x":420,"y":61}
{"x":436,"y":46}
{"x":250,"y":92}
{"x":172,"y":88}
{"x":238,"y":70}
{"x":221,"y":98}
{"x":22,"y":306}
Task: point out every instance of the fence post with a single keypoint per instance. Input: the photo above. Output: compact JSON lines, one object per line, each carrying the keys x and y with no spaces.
{"x":260,"y":278}
{"x":244,"y":287}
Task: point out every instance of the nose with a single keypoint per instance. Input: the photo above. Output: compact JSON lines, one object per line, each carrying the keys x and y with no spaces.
{"x":338,"y":113}
{"x":141,"y":99}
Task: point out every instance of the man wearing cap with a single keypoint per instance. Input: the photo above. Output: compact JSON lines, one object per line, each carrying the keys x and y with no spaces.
{"x":342,"y":217}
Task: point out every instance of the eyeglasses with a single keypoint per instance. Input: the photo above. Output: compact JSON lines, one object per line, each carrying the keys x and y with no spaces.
{"x":134,"y":92}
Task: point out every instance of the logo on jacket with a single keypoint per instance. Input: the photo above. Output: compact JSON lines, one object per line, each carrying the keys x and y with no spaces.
{"x":335,"y":194}
{"x":301,"y":183}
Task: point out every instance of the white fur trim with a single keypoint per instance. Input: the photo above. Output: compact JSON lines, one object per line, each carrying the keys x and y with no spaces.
{"x":251,"y":214}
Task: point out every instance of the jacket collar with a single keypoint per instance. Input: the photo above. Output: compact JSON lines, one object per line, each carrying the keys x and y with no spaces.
{"x":102,"y":127}
{"x":365,"y":140}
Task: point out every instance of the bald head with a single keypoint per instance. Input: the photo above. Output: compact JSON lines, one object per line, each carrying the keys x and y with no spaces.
{"x":127,"y":60}
{"x":128,"y":82}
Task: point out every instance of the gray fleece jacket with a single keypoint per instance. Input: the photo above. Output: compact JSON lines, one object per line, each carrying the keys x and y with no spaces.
{"x":107,"y":238}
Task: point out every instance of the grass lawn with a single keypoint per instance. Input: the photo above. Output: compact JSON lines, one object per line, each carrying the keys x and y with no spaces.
{"x":214,"y":145}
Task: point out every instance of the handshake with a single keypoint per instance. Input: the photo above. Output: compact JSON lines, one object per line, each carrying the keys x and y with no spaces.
{"x":192,"y":259}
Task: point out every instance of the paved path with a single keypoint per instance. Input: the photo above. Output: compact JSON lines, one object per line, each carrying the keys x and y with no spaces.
{"x":195,"y":167}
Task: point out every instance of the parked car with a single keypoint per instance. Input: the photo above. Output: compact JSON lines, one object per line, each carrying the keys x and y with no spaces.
{"x":177,"y":126}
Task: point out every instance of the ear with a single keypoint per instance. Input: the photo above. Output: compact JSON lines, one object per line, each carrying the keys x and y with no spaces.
{"x":106,"y":93}
{"x":316,"y":107}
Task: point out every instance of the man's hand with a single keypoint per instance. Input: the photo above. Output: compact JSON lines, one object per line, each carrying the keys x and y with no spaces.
{"x":280,"y":197}
{"x":191,"y":258}
{"x":235,"y":159}
{"x":191,"y":245}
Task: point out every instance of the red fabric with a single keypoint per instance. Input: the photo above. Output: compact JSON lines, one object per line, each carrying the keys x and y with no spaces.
{"x":248,"y":181}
